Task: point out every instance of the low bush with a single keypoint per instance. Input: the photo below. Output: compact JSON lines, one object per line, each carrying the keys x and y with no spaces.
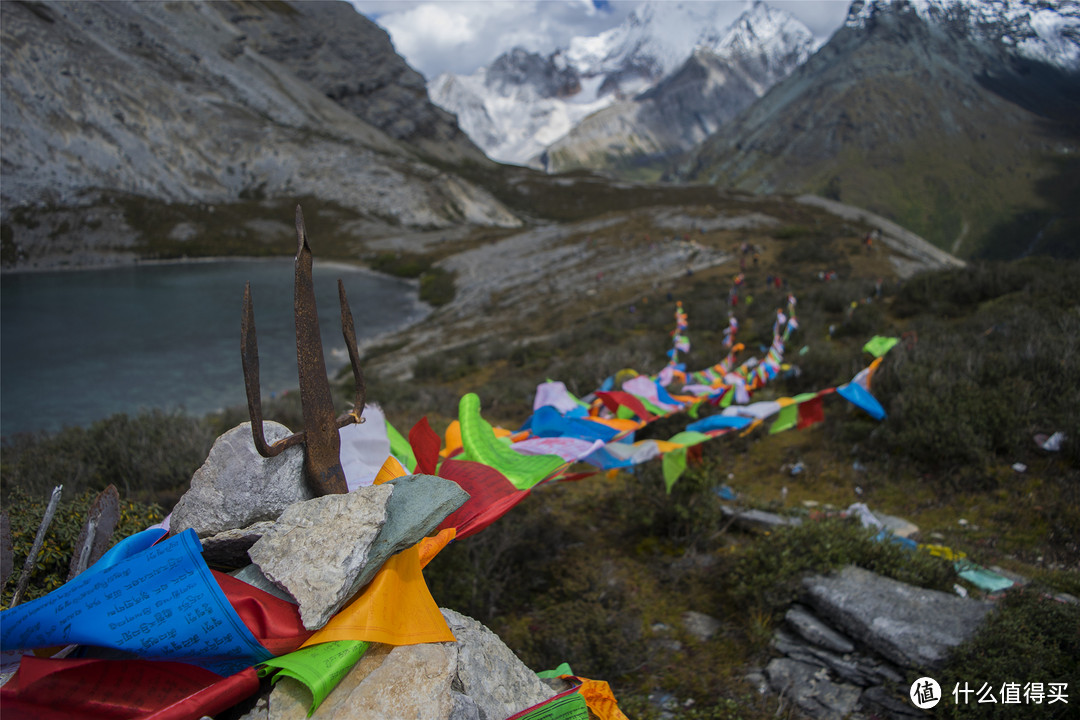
{"x":25,"y":511}
{"x":437,"y":287}
{"x":398,"y":264}
{"x":1028,"y":638}
{"x":146,"y":456}
{"x":767,"y":576}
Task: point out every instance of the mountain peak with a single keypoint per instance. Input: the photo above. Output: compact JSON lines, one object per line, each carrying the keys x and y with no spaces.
{"x":1046,"y":31}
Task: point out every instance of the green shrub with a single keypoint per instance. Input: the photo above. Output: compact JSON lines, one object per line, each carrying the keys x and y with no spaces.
{"x":148,"y":456}
{"x":398,"y":264}
{"x":25,"y":511}
{"x":767,"y":576}
{"x":1028,"y":638}
{"x":437,"y":287}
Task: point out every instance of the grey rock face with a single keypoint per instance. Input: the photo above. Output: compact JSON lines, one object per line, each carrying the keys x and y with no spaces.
{"x":410,"y":682}
{"x":488,"y":672}
{"x":352,"y":61}
{"x":910,"y":626}
{"x":474,"y":678}
{"x":236,"y":487}
{"x":190,"y":104}
{"x":317,"y":548}
{"x":811,"y":689}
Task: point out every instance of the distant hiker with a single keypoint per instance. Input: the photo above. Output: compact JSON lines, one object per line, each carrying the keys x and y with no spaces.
{"x":777,"y":282}
{"x":755,"y":259}
{"x":768,"y":280}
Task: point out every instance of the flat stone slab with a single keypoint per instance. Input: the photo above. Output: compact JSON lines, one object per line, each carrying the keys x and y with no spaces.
{"x":758,"y":519}
{"x":811,"y":689}
{"x":913,"y":627}
{"x":318,"y":547}
{"x":814,"y":631}
{"x":419,"y":503}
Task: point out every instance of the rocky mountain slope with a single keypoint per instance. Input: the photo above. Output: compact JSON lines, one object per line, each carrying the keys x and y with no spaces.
{"x":524,"y":102}
{"x":712,"y":86}
{"x":205,"y":103}
{"x":956,"y":120}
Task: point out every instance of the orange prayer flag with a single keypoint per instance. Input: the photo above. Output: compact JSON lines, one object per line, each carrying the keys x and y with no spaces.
{"x":429,"y":547}
{"x":391,"y":469}
{"x":599,"y":699}
{"x":453,"y":439}
{"x":396,"y":608}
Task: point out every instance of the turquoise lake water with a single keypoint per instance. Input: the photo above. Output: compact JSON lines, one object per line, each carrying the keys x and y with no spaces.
{"x":79,"y":346}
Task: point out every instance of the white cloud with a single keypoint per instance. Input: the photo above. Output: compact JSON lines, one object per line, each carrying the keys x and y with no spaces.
{"x":427,"y":33}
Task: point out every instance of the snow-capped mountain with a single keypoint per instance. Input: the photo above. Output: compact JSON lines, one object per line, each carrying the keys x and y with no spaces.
{"x":524,"y":102}
{"x":956,"y":119}
{"x":1046,"y":31}
{"x":723,"y":76}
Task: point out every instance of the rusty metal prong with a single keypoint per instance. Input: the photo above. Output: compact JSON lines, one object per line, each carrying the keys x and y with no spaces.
{"x":322,"y":464}
{"x":249,"y":356}
{"x":349,"y":331}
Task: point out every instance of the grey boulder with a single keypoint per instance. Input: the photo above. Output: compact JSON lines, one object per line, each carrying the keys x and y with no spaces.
{"x":236,"y":487}
{"x":913,"y":627}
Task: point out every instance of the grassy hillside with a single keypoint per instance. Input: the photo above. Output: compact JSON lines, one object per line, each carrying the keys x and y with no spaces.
{"x":598,"y":573}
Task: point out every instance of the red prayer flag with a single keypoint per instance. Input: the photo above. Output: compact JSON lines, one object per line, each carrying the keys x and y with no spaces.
{"x":59,"y":689}
{"x":491,"y":496}
{"x":811,"y":413}
{"x":425,"y":446}
{"x":614,"y":398}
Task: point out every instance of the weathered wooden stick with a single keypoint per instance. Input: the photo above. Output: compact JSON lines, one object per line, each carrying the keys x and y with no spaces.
{"x":39,"y":540}
{"x":101,"y":519}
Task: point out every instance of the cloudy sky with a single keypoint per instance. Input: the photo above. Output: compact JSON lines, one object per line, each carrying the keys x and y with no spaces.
{"x":437,"y":36}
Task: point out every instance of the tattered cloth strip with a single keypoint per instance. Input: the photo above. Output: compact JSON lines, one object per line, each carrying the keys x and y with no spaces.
{"x":48,"y":689}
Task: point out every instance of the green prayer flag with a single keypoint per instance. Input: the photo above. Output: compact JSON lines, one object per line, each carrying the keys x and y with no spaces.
{"x":694,"y":409}
{"x":787,"y":419}
{"x":879,"y":345}
{"x":319,"y":667}
{"x":689,"y":437}
{"x":400,"y":448}
{"x":674,"y":465}
{"x":982,"y":578}
{"x":563,"y":669}
{"x":729,"y":396}
{"x":480,"y":445}
{"x":624,"y":413}
{"x":565,"y":707}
